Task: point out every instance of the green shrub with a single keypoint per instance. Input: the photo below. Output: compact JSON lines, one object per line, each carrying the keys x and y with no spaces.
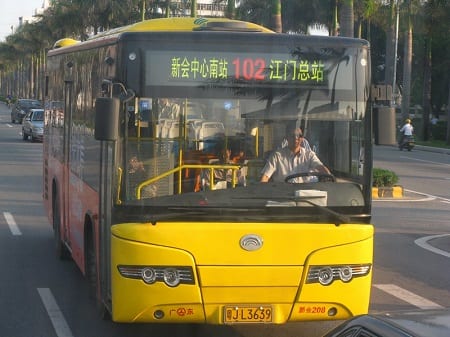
{"x":384,"y":178}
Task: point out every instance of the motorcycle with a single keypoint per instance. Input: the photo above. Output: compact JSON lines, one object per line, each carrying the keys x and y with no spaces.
{"x":407,"y":143}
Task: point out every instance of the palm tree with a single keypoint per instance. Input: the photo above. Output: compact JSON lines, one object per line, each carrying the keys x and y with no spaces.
{"x":407,"y":63}
{"x":193,"y":8}
{"x":365,"y":11}
{"x":230,"y":9}
{"x":447,"y":137}
{"x":277,"y":25}
{"x":390,"y":44}
{"x":426,"y":94}
{"x":346,"y":18}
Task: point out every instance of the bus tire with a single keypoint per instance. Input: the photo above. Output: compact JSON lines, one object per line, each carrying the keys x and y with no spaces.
{"x":91,"y":264}
{"x":60,"y":248}
{"x":92,"y":274}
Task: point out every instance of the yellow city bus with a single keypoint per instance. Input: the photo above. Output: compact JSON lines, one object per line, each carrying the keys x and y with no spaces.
{"x":155,"y":138}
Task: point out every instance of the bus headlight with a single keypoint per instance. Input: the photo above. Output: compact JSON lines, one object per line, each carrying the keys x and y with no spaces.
{"x":345,"y":273}
{"x":325,"y":275}
{"x":172,"y":276}
{"x":148,"y":275}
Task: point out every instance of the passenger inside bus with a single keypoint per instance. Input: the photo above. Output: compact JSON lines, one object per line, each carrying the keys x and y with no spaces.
{"x":223,"y":177}
{"x":136,"y":175}
{"x":292,"y":159}
{"x":168,"y":109}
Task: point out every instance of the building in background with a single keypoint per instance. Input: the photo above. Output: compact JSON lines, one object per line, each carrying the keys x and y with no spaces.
{"x":33,"y":17}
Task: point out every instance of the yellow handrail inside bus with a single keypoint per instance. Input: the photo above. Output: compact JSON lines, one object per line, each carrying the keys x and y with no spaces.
{"x":233,"y":168}
{"x":119,"y":182}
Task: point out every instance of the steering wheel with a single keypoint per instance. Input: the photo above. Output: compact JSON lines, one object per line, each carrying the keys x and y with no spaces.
{"x":323,"y":177}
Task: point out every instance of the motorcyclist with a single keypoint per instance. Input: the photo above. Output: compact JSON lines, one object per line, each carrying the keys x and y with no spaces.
{"x":406,"y":132}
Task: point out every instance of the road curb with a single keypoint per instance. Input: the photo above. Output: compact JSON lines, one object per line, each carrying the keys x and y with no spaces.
{"x":424,"y":148}
{"x":387,"y":192}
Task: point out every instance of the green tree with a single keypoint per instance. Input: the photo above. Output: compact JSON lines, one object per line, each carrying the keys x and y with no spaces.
{"x":365,"y":11}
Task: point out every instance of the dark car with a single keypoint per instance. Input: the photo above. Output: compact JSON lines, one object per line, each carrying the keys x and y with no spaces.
{"x":419,"y":323}
{"x":22,"y":107}
{"x":33,"y":125}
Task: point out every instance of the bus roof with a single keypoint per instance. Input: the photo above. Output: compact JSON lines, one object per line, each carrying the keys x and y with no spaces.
{"x":188,"y":24}
{"x":176,"y":24}
{"x":64,"y":43}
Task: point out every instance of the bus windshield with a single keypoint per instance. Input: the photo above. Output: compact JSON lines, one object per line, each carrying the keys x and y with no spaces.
{"x":207,"y":122}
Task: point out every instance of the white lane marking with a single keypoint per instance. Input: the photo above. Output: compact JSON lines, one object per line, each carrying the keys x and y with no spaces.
{"x":425,"y":161}
{"x":423,"y":242}
{"x":408,"y":296}
{"x":405,"y":199}
{"x":430,"y":195}
{"x":12,"y":224}
{"x":55,"y":314}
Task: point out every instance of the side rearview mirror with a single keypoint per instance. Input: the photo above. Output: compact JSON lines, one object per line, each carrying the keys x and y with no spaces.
{"x":107,"y":118}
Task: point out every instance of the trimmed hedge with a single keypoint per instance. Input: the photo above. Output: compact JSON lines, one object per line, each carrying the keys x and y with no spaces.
{"x":384,"y":178}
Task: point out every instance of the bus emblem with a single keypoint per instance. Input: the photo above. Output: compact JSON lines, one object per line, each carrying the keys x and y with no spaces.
{"x":251,"y":242}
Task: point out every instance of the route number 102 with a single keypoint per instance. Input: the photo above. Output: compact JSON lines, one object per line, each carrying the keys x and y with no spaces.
{"x":249,"y":69}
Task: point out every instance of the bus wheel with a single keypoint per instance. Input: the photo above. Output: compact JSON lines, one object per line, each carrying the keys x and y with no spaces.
{"x":60,"y":248}
{"x":92,"y":276}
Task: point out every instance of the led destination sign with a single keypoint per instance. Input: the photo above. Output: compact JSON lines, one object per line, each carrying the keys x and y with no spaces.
{"x":190,"y":68}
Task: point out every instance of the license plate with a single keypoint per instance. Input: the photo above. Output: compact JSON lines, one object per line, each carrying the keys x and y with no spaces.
{"x":248,"y":314}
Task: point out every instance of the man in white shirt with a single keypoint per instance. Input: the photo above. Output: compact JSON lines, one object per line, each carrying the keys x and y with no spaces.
{"x":406,"y":131}
{"x":292,"y":159}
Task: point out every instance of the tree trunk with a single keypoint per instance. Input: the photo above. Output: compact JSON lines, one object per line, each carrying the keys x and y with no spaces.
{"x":390,"y":45}
{"x":347,"y":19}
{"x":31,"y":78}
{"x":448,"y":116}
{"x":276,"y":16}
{"x":427,"y":91}
{"x":407,"y":69}
{"x":193,"y":8}
{"x":230,"y":9}
{"x":335,"y":31}
{"x":167,"y":8}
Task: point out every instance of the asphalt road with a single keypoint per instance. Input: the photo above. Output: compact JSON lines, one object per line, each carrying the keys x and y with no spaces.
{"x":43,"y":296}
{"x":412,"y":244}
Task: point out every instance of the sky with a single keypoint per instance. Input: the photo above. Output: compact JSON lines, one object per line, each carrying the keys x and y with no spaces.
{"x":10,"y":11}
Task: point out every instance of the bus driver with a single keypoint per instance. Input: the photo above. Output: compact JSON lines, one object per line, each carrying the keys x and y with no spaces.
{"x":292,"y":159}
